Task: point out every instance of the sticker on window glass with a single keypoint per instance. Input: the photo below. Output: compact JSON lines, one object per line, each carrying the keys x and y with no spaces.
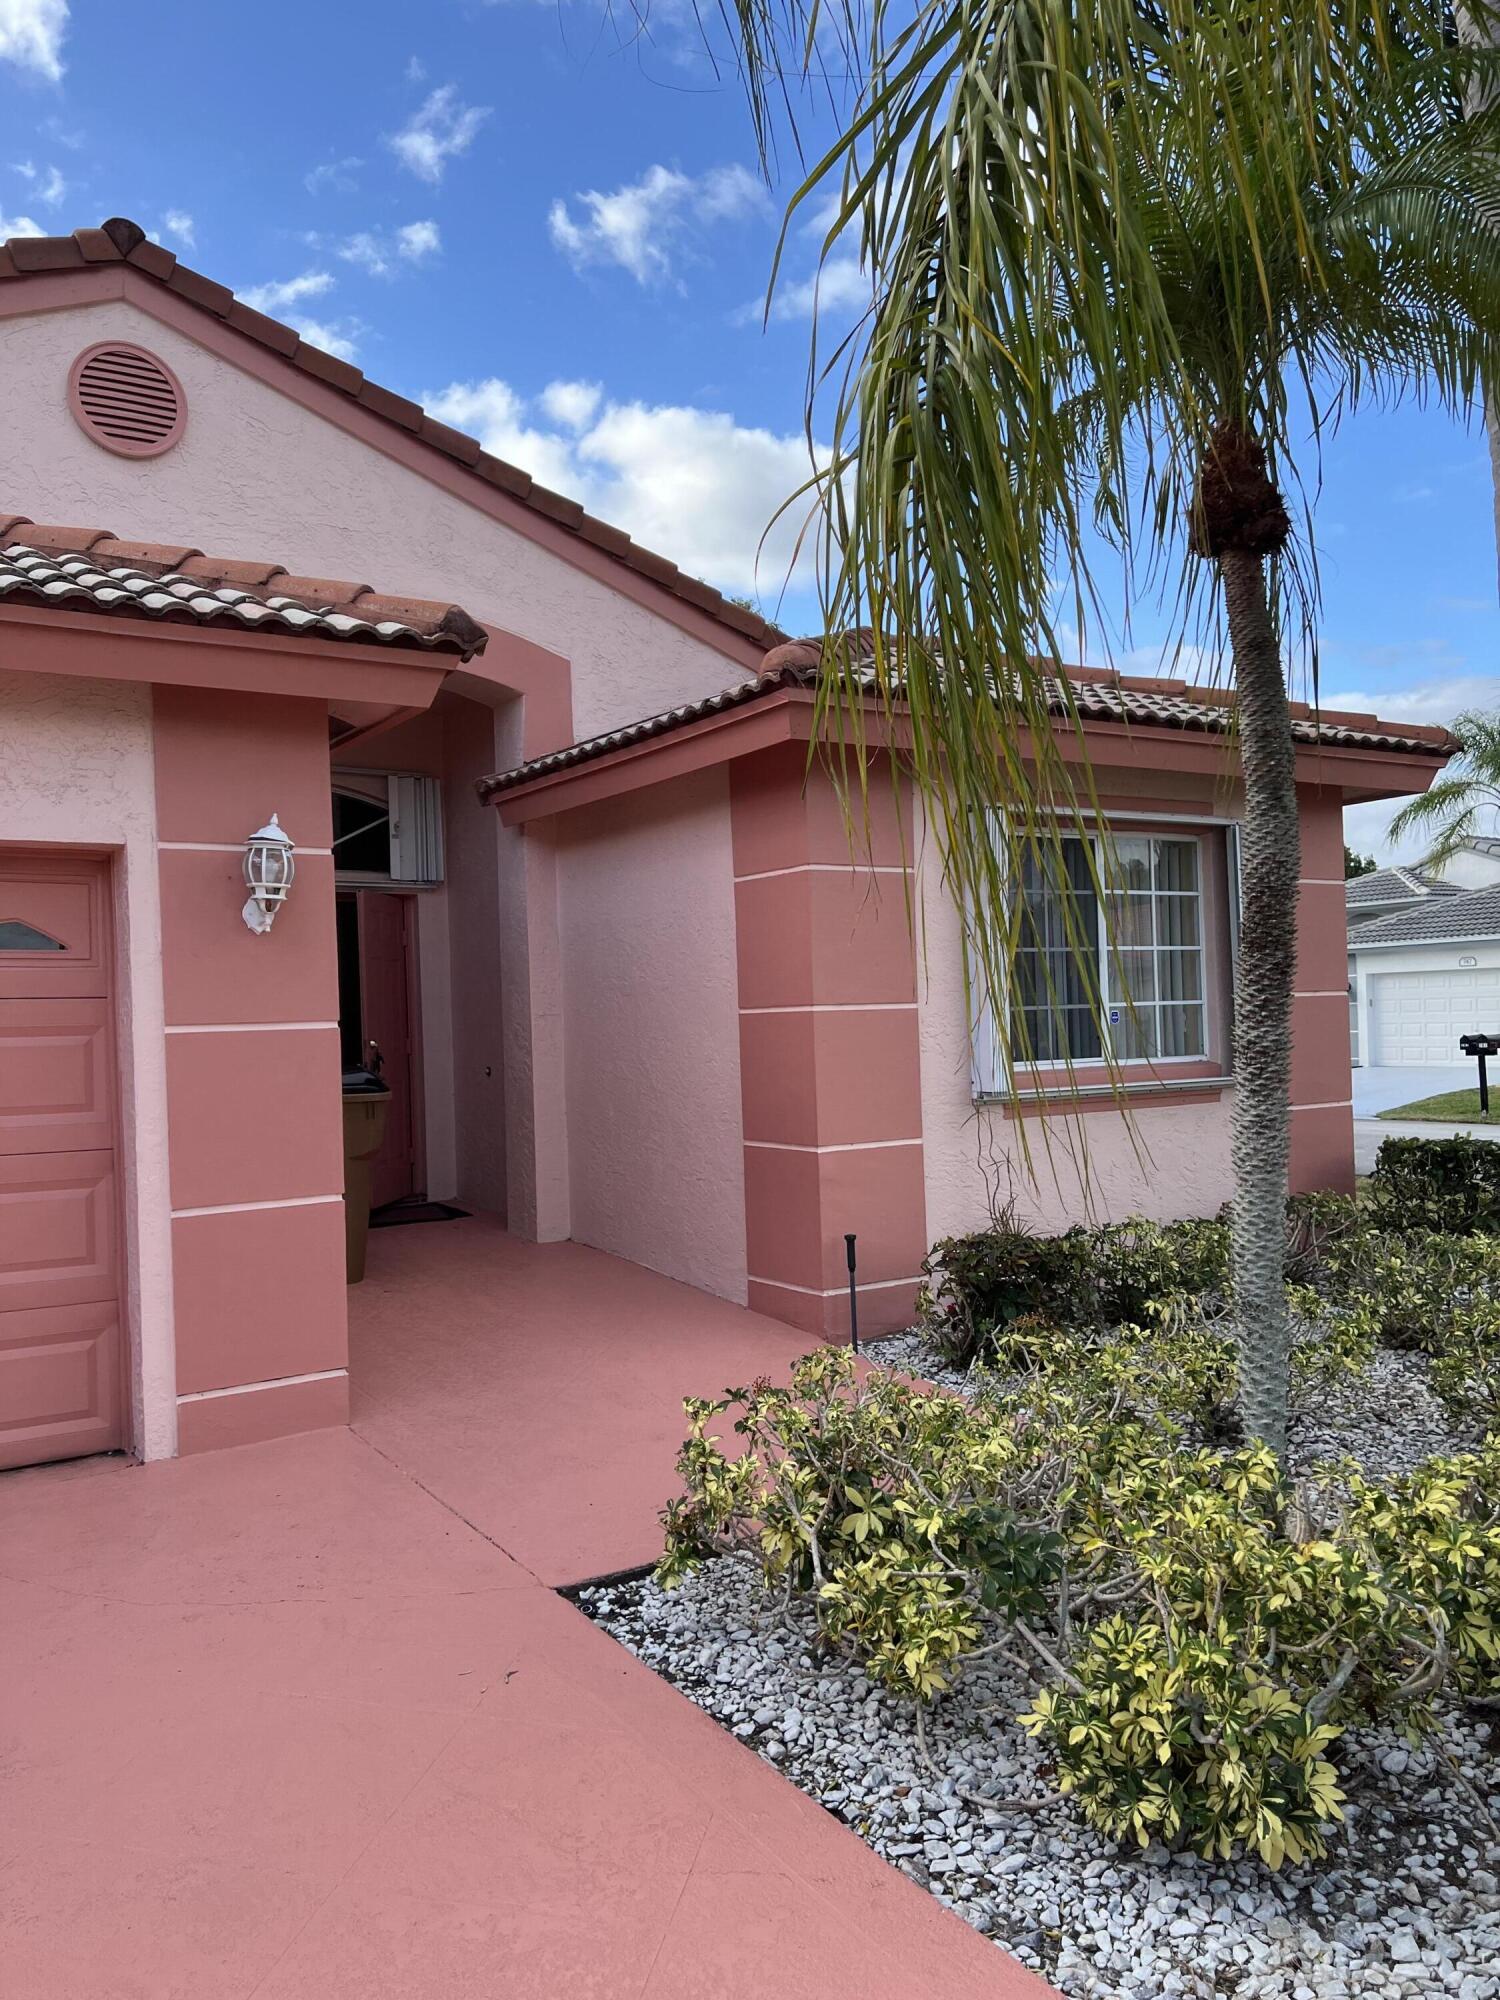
{"x":1114,"y":1017}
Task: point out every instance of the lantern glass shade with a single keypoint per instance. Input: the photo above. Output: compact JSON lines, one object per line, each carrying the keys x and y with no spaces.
{"x":269,"y":869}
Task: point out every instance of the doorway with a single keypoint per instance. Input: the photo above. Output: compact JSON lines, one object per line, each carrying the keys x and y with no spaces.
{"x":62,"y":1343}
{"x":378,"y":1025}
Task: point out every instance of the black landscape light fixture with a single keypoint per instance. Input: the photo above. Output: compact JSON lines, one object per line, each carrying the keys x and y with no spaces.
{"x":1482,"y":1046}
{"x":853,"y":1295}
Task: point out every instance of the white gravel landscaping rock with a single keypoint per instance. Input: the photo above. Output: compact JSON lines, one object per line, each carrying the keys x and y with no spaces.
{"x":1405,"y":1907}
{"x":1388,"y":1417}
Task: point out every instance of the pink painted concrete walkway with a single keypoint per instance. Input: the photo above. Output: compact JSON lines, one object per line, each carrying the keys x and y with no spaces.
{"x":537,"y":1390}
{"x":277,"y":1722}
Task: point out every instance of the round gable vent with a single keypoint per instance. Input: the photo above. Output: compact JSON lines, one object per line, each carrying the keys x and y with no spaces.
{"x":126,"y":399}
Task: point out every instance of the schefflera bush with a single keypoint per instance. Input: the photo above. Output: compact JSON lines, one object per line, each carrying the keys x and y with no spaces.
{"x":1196,"y":1648}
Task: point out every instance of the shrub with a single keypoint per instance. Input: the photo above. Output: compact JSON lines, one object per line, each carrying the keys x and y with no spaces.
{"x":1419,"y":1292}
{"x":1466,"y":1370}
{"x":1435,"y":1534}
{"x":1194,"y":1659}
{"x":1161,"y":1733}
{"x":1447,"y":1185}
{"x":979,"y":1287}
{"x":1315,"y":1224}
{"x":1136,"y":1264}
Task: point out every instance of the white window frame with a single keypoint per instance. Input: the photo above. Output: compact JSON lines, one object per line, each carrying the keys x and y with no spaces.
{"x":987,"y":1072}
{"x":414,"y":810}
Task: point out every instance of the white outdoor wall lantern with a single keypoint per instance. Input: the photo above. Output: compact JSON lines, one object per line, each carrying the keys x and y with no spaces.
{"x":269,"y":869}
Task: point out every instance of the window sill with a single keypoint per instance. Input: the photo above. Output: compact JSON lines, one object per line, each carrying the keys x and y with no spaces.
{"x":1107,"y":1095}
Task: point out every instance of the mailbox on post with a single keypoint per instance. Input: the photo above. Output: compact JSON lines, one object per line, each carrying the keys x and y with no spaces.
{"x":1481,"y":1046}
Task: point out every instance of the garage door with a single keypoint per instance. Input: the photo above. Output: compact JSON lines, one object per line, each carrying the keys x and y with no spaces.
{"x":60,"y":1325}
{"x":1417,"y":1017}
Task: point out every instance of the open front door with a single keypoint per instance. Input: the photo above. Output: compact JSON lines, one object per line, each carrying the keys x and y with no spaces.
{"x":386,"y":945}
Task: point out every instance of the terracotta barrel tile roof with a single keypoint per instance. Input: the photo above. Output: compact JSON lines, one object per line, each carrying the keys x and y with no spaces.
{"x":1094,"y":694}
{"x":123,"y":241}
{"x":89,"y":569}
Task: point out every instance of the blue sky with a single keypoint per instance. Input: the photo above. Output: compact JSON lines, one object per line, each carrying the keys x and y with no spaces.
{"x":552,"y":231}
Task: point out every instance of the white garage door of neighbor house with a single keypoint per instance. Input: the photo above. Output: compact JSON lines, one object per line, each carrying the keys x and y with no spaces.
{"x":1418,"y":1017}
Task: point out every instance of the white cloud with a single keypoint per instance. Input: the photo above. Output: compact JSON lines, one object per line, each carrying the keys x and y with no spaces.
{"x":436,"y":133}
{"x":840,"y":284}
{"x":47,"y":184}
{"x":1427,"y":701}
{"x":1367,"y":831}
{"x":31,"y":34}
{"x":177,"y":222}
{"x":334,"y":176}
{"x":368,"y":251}
{"x":379,"y":254}
{"x":281,"y":293}
{"x":493,"y":412}
{"x":416,"y":240}
{"x":339,"y":338}
{"x":693,"y":484}
{"x":571,"y":403}
{"x":643,"y":225}
{"x":19,"y":225}
{"x":1367,"y":827}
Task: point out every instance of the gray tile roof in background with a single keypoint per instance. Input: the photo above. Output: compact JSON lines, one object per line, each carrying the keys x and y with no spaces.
{"x":1396,"y":885}
{"x":1472,"y":913}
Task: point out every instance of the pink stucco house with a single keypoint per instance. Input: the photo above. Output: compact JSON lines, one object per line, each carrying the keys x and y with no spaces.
{"x":628,"y":987}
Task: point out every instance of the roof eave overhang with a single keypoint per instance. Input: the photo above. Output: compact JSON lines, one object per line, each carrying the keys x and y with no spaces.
{"x":787,"y":714}
{"x":98,"y":646}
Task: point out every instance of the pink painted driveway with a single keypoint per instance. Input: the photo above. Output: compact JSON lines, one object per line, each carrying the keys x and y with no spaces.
{"x":278,"y":1722}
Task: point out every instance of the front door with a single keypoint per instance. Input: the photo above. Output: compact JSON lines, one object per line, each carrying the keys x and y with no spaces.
{"x":61,"y":1335}
{"x":385,"y":947}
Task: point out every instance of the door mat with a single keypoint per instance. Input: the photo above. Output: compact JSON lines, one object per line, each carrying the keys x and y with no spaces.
{"x":414,"y":1211}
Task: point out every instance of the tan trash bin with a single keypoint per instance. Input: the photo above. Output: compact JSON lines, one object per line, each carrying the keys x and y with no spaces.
{"x":366,"y":1100}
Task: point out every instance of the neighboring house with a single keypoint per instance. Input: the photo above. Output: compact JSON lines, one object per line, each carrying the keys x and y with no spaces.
{"x":1476,"y":865}
{"x":640,"y":997}
{"x":1367,"y":898}
{"x":1424,"y":965}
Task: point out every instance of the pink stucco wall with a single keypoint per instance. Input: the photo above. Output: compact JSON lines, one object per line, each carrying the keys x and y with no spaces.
{"x":258,"y":474}
{"x":650,"y":1031}
{"x":1163,"y":1160}
{"x":252,"y":1062}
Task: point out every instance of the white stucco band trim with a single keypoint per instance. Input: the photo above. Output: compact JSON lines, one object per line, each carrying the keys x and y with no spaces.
{"x":250,"y":1027}
{"x":251,"y":1388}
{"x":835,"y":1291}
{"x":249,"y":1207}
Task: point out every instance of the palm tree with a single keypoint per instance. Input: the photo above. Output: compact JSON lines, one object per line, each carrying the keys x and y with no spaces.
{"x":1453,"y":810}
{"x":1481,"y":25}
{"x":1126,"y":262}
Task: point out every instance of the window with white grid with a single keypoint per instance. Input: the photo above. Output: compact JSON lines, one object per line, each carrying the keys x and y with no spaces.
{"x":1110,"y":952}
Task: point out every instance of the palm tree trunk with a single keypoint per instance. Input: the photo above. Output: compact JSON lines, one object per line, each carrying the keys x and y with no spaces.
{"x":1270,"y":863}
